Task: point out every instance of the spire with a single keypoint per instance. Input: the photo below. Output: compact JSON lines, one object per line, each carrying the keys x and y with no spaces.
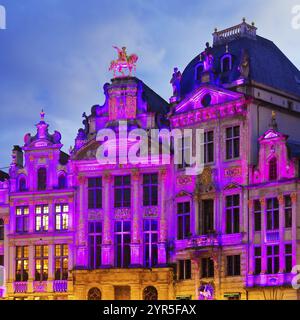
{"x":42,"y":126}
{"x":273,"y":124}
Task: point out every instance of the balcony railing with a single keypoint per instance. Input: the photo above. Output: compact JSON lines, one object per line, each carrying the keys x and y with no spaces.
{"x":60,"y":286}
{"x":39,"y":286}
{"x":203,"y":241}
{"x":20,"y":287}
{"x":270,"y":280}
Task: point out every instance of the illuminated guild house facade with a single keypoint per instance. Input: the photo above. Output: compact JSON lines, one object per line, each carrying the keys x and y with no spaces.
{"x":72,"y":228}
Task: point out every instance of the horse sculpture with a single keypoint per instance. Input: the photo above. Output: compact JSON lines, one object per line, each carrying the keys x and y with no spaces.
{"x":123,"y":62}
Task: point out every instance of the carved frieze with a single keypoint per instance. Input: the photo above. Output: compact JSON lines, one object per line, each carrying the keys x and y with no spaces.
{"x":122,"y":213}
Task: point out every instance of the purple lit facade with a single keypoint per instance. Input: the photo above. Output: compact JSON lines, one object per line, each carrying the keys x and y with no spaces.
{"x":71,"y":228}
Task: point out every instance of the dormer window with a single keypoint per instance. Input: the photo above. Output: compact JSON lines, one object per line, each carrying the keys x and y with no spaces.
{"x":273,"y":169}
{"x":226,"y":63}
{"x":62,"y":182}
{"x":22,"y":184}
{"x":42,"y":179}
{"x":199,"y":71}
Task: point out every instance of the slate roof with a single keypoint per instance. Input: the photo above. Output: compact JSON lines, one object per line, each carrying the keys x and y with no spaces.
{"x":268,"y":66}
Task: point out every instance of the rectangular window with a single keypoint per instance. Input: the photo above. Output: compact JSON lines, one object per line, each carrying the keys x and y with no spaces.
{"x":208,"y":147}
{"x":208,"y":270}
{"x":95,"y":193}
{"x":272,"y":214}
{"x":183,"y":220}
{"x":150,"y":189}
{"x":257,"y":215}
{"x":232,"y":143}
{"x":41,"y":218}
{"x":61,"y":217}
{"x":207,"y":217}
{"x":61,"y":261}
{"x":22,"y":263}
{"x":150,"y":242}
{"x":233,"y":214}
{"x":22,"y":219}
{"x":41,"y":263}
{"x":273,"y":259}
{"x":1,"y":260}
{"x":234,"y":266}
{"x":122,"y":243}
{"x":288,"y":258}
{"x":288,"y":211}
{"x":185,"y":270}
{"x":185,"y":153}
{"x":95,"y":243}
{"x":122,"y":192}
{"x":257,"y":260}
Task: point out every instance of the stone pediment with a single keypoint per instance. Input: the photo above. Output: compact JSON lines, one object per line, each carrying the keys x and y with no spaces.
{"x":208,"y":96}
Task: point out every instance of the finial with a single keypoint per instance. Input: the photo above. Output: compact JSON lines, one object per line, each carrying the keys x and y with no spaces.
{"x":244,"y":20}
{"x":253,"y":24}
{"x":216,"y":29}
{"x":227,"y":48}
{"x":273,"y":124}
{"x":42,"y":114}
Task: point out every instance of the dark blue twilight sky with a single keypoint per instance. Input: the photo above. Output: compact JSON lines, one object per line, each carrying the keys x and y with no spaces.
{"x":55,"y":54}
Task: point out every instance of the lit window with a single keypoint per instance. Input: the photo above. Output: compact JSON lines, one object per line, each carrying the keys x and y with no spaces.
{"x":61,"y":217}
{"x":22,"y":263}
{"x":41,"y":263}
{"x":41,"y":218}
{"x":22,"y":219}
{"x":61,"y":261}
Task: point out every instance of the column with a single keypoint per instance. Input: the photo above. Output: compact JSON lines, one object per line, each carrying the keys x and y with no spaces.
{"x":196,"y":265}
{"x":82,"y":257}
{"x":263,"y":235}
{"x":6,"y":250}
{"x":294,"y":227}
{"x":107,"y":256}
{"x":71,"y":213}
{"x":251,"y":239}
{"x":135,"y":246}
{"x":51,"y":215}
{"x":51,"y":266}
{"x":31,"y":216}
{"x":281,"y":234}
{"x":11,"y":267}
{"x":31,"y":267}
{"x":162,"y":254}
{"x":197,"y":217}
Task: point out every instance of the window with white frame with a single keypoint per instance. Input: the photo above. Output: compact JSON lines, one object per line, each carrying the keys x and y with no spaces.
{"x":150,"y":242}
{"x":61,"y":217}
{"x":185,"y":269}
{"x":233,"y":214}
{"x":183,"y":220}
{"x":233,"y":142}
{"x":41,"y":218}
{"x":22,"y":219}
{"x":272,"y":259}
{"x":272,"y":214}
{"x":122,"y":243}
{"x":288,"y":211}
{"x":95,"y":244}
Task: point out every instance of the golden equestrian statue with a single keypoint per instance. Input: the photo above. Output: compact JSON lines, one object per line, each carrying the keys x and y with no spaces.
{"x":123,"y":62}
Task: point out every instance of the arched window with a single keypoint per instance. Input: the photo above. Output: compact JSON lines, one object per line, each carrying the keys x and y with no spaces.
{"x":199,"y":71}
{"x":150,"y":293}
{"x":22,"y":184}
{"x":94,"y":294}
{"x":62,"y":182}
{"x":273,"y":169}
{"x":226,"y":63}
{"x":1,"y":229}
{"x":42,"y":179}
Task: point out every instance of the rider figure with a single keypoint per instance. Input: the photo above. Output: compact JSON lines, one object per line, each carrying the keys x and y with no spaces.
{"x":121,"y":53}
